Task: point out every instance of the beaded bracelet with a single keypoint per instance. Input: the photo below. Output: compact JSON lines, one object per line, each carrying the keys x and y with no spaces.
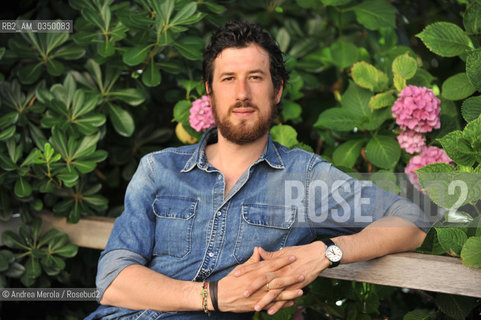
{"x":203,"y":294}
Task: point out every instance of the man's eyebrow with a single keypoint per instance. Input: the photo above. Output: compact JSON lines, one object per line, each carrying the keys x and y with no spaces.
{"x":223,"y":74}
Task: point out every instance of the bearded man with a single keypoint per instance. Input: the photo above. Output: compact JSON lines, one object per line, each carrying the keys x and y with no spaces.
{"x":231,"y":225}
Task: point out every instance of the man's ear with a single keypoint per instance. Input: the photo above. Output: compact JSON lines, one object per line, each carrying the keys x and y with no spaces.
{"x":207,"y":88}
{"x":279,"y":93}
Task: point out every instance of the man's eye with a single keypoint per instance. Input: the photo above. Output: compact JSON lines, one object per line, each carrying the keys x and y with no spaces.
{"x":228,"y":79}
{"x":256,"y":77}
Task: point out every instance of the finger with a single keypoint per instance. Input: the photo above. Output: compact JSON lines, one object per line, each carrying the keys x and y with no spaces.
{"x":274,"y":282}
{"x":279,"y":298}
{"x":278,"y":306}
{"x":284,"y":282}
{"x":271,"y":265}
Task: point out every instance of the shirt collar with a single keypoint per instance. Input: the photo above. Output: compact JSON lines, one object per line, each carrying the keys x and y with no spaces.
{"x":270,"y":155}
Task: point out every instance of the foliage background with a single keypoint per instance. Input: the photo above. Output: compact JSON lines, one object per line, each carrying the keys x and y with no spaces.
{"x":77,"y":111}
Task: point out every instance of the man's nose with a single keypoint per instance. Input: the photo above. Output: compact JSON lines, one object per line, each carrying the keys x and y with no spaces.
{"x":243,"y":92}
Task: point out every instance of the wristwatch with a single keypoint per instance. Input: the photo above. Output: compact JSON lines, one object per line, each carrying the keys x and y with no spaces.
{"x":333,"y":252}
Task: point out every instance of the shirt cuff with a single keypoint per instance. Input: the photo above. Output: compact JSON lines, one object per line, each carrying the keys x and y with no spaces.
{"x":111,"y":264}
{"x":408,"y":210}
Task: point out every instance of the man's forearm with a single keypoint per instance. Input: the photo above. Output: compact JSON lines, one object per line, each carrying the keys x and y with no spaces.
{"x":384,"y":236}
{"x":138,"y":288}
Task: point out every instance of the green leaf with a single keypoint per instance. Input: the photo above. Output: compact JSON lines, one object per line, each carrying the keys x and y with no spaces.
{"x":383,"y":151}
{"x":283,"y":39}
{"x":68,"y":251}
{"x":33,"y":269}
{"x":30,"y":73}
{"x":420,"y":314}
{"x":369,"y":77}
{"x":56,"y":39}
{"x":70,"y":52}
{"x":13,"y":240}
{"x":472,"y":18}
{"x":445,"y":39}
{"x":136,"y":55}
{"x":190,"y":47}
{"x":132,"y":96}
{"x":6,"y":163}
{"x":458,"y":148}
{"x":183,"y":15}
{"x":347,"y":153}
{"x":457,"y":87}
{"x":452,"y":240}
{"x":381,"y":100}
{"x":290,"y":110}
{"x":344,"y":54}
{"x":471,"y":108}
{"x":86,"y":146}
{"x":7,"y":133}
{"x":16,"y":270}
{"x":54,"y":67}
{"x":8,"y":119}
{"x":22,"y":188}
{"x":471,"y":252}
{"x":285,"y":135}
{"x":405,"y":66}
{"x":472,"y":133}
{"x":473,"y":68}
{"x":151,"y":76}
{"x":95,"y":71}
{"x":335,"y":2}
{"x":121,"y":120}
{"x":107,"y":48}
{"x":93,"y":17}
{"x":49,"y":236}
{"x":456,"y":307}
{"x":68,"y":177}
{"x":182,"y":110}
{"x":375,"y":14}
{"x":338,"y":119}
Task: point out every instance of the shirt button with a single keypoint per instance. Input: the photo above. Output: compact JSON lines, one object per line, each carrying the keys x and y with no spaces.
{"x":219,"y":177}
{"x":219,"y":213}
{"x":211,"y":254}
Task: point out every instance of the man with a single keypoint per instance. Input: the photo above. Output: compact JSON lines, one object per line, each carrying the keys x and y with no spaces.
{"x":237,"y":211}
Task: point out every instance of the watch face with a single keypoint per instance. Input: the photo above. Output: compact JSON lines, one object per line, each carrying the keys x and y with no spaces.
{"x":333,"y":253}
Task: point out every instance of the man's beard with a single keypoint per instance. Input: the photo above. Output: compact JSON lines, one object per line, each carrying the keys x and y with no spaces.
{"x":242,"y":133}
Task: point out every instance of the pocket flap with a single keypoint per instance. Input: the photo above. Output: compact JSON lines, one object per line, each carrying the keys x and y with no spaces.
{"x":279,"y":217}
{"x":174,"y":207}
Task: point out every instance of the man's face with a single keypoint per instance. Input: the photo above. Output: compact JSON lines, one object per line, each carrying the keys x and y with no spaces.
{"x":242,"y":95}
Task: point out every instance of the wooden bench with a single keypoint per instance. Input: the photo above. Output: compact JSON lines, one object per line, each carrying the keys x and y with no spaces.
{"x":406,"y":270}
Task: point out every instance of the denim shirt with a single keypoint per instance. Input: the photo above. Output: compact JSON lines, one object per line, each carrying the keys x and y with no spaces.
{"x":178,"y":221}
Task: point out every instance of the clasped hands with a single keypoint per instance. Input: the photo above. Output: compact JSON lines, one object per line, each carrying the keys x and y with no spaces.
{"x":271,"y":280}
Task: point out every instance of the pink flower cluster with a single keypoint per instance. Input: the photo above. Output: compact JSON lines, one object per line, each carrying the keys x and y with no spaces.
{"x":417,"y":109}
{"x":427,"y":156}
{"x":412,"y":141}
{"x":201,"y":117}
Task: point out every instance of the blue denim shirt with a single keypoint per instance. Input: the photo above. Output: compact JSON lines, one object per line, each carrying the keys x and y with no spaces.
{"x":178,"y":221}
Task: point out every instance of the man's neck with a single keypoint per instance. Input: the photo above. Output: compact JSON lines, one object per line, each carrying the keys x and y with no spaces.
{"x":233,"y":159}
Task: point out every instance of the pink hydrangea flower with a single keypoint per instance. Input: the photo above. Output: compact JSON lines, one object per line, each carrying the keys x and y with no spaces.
{"x":427,"y":156}
{"x":417,"y":109}
{"x":201,"y":116}
{"x":412,"y":141}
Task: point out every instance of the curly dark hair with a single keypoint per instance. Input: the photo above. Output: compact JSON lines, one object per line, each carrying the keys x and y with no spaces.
{"x":240,"y":34}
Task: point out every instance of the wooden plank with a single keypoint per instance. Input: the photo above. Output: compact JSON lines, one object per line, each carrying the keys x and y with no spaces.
{"x":89,"y":232}
{"x":405,"y":270}
{"x":414,"y":271}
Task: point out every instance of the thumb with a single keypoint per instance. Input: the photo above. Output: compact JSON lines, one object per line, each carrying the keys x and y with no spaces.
{"x":266,"y":255}
{"x":255,"y":257}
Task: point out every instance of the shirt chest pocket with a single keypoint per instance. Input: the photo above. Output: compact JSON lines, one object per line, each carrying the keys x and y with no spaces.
{"x":264,"y":226}
{"x":173,"y":225}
